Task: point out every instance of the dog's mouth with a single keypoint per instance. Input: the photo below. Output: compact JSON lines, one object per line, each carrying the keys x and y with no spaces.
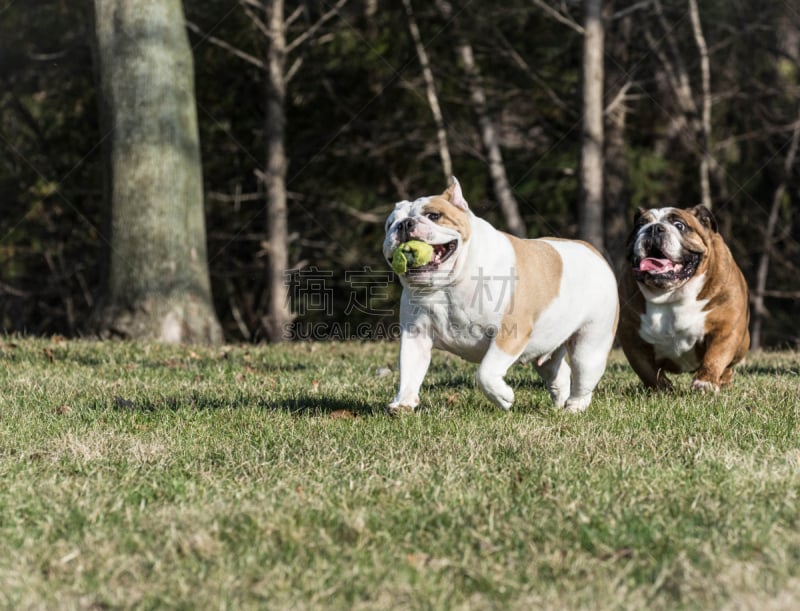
{"x":441,"y":253}
{"x":658,"y":269}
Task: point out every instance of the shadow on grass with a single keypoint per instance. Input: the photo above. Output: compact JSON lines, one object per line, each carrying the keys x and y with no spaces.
{"x":766,"y":370}
{"x":181,"y":361}
{"x":314,"y":405}
{"x":302,"y":405}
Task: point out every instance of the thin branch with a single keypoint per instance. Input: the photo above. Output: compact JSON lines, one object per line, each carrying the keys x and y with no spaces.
{"x":250,"y":59}
{"x":295,"y":15}
{"x":316,"y":26}
{"x":374,"y":218}
{"x":293,"y":69}
{"x":655,"y":48}
{"x":619,"y":99}
{"x":631,"y":9}
{"x":257,"y":21}
{"x":678,"y":68}
{"x":782,"y":294}
{"x":236,"y":197}
{"x":549,"y":10}
{"x":526,"y":68}
{"x":430,"y":90}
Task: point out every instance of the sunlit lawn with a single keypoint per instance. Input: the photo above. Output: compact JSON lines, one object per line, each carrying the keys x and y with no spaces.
{"x":146,"y":476}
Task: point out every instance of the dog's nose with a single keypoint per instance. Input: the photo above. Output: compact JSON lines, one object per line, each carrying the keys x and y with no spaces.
{"x":656,"y":229}
{"x":405,"y":227}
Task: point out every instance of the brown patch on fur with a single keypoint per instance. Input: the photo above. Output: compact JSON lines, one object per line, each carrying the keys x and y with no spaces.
{"x":586,"y":244}
{"x":727,"y":333}
{"x":696,"y":240}
{"x":452,"y":216}
{"x":727,"y":336}
{"x":534,"y":259}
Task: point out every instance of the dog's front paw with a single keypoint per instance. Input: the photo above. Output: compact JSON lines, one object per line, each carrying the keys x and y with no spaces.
{"x":400,"y":407}
{"x":496,"y":390}
{"x":704,"y":386}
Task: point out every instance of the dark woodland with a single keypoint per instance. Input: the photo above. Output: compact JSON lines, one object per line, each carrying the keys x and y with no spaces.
{"x":309,"y":119}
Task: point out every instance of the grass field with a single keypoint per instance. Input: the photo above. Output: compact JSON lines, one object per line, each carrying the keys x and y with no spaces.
{"x":243,"y":477}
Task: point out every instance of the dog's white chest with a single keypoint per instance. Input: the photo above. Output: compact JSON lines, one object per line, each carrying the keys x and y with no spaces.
{"x":462,"y":322}
{"x":674,"y":329}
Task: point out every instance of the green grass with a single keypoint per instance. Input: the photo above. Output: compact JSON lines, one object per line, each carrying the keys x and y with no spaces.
{"x":150,"y":477}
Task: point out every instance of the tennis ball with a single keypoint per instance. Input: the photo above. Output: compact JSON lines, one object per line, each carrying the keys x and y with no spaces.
{"x":411,"y":254}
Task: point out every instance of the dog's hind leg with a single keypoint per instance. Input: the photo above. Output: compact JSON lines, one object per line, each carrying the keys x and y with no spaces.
{"x":588,"y":354}
{"x":555,"y":373}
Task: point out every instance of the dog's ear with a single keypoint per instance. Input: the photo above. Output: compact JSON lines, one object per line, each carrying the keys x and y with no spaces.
{"x":454,"y":196}
{"x":705,"y":216}
{"x":638,"y":214}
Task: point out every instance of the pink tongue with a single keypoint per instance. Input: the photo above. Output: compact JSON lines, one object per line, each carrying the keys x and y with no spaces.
{"x":655,"y":265}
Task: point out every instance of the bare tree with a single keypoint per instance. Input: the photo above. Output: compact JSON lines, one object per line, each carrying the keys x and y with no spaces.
{"x":616,"y":184}
{"x":278,"y":316}
{"x":759,"y":309}
{"x":269,"y":18}
{"x":693,"y":127}
{"x":158,"y":281}
{"x":590,"y":211}
{"x":430,"y":91}
{"x":497,"y":169}
{"x":705,"y":119}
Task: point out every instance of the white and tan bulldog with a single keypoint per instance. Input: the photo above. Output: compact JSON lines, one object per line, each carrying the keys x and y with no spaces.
{"x":494,"y":299}
{"x":684,"y":300}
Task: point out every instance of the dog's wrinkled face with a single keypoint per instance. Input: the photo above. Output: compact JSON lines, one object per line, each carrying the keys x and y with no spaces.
{"x":442,"y":221}
{"x":668,"y":245}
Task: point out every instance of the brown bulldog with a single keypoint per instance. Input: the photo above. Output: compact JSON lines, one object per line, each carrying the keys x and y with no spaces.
{"x":684,"y":301}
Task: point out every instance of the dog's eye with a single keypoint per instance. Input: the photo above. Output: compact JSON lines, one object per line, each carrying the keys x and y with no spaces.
{"x":680,"y":226}
{"x":434,"y":216}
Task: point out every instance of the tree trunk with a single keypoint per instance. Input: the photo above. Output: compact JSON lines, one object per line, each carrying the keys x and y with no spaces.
{"x":691,"y":126}
{"x":616,"y":187}
{"x":158,"y":281}
{"x":497,"y":169}
{"x":278,"y":317}
{"x":430,"y":90}
{"x":759,"y":309}
{"x":705,"y":119}
{"x":590,"y":211}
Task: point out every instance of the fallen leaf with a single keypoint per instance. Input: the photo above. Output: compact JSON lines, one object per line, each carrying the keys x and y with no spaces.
{"x":342,"y":414}
{"x":418,"y":560}
{"x":382,"y":372}
{"x":421,"y":560}
{"x":63,"y":410}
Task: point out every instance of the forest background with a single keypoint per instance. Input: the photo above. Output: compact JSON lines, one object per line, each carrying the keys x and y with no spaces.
{"x":366,"y":102}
